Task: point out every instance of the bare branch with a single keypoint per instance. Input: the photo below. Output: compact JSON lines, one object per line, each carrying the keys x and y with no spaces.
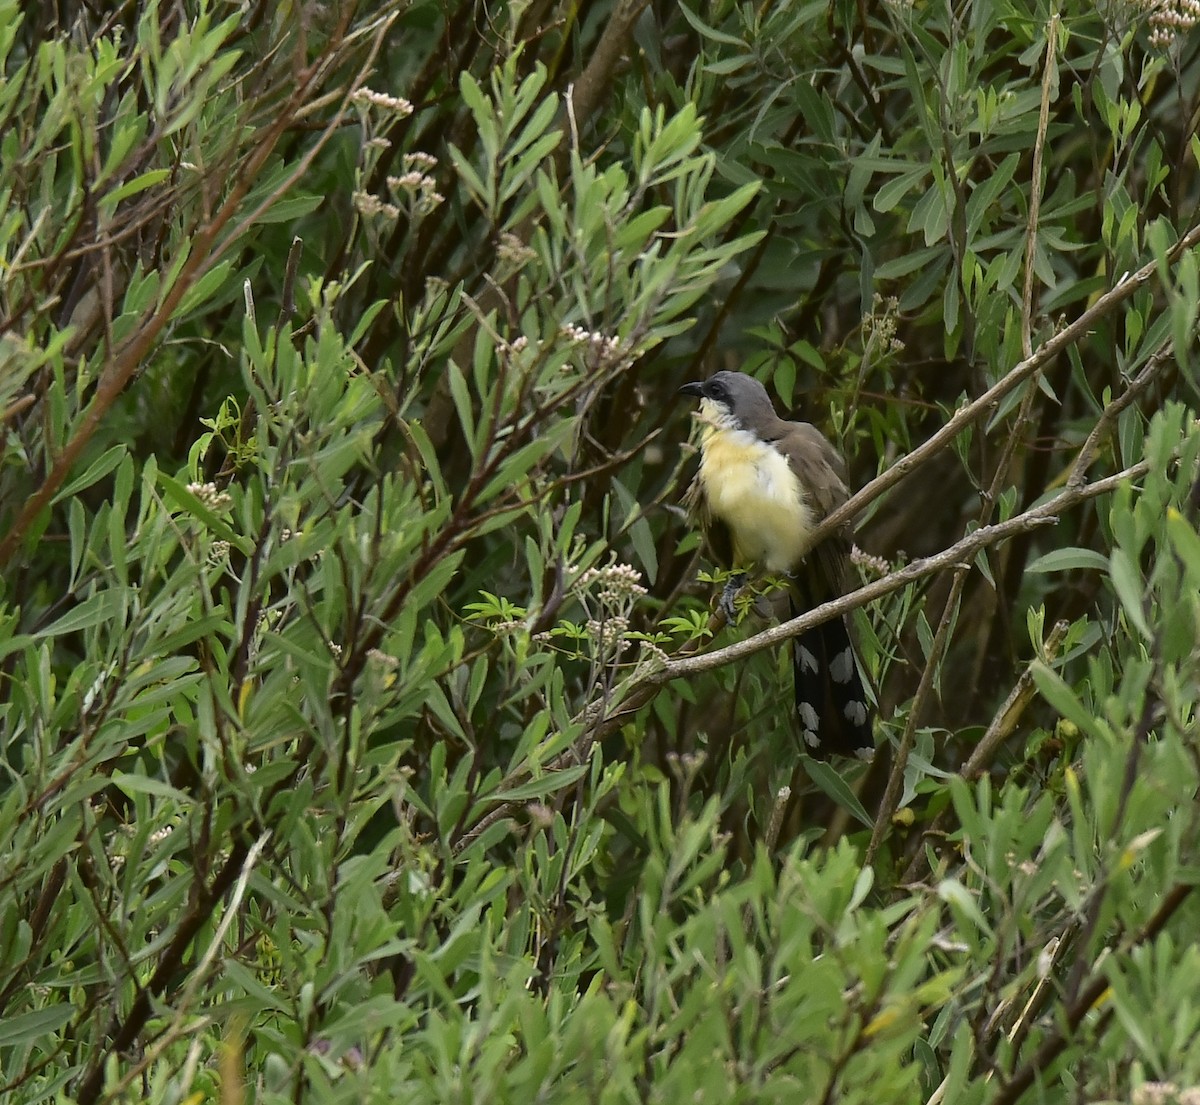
{"x":968,"y":414}
{"x":599,"y":717}
{"x":205,"y":252}
{"x":1036,"y":517}
{"x":1035,"y":187}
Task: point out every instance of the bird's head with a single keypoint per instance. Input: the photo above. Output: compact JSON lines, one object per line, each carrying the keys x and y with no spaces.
{"x":731,"y":401}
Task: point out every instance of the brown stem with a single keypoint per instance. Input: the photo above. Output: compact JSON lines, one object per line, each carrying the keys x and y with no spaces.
{"x":206,"y":250}
{"x":1054,"y":1044}
{"x":933,"y":664}
{"x":985,"y":403}
{"x":1035,"y":189}
{"x":598,"y":718}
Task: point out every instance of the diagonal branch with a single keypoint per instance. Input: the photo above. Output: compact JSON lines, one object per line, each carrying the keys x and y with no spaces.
{"x":1045,"y":514}
{"x":1035,"y":187}
{"x":206,"y":248}
{"x":596,"y":720}
{"x":1022,"y":371}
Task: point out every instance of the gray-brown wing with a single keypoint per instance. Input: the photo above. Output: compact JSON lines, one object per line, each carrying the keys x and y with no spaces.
{"x":822,"y":472}
{"x":817,"y":463}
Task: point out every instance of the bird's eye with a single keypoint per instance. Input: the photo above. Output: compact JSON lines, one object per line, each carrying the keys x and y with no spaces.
{"x":717,"y":391}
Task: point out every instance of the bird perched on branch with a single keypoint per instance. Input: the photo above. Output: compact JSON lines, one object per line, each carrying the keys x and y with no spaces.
{"x":763,"y":486}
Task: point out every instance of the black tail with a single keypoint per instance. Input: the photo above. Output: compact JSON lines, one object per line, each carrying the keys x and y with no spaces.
{"x":835,"y":717}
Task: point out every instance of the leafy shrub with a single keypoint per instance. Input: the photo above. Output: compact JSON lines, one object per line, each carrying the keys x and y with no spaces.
{"x":364,"y":733}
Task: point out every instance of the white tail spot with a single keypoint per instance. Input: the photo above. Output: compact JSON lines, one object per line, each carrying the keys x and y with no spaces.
{"x":842,"y":667}
{"x":808,"y":718}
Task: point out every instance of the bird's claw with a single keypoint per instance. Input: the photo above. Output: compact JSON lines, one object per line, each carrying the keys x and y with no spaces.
{"x":728,"y":596}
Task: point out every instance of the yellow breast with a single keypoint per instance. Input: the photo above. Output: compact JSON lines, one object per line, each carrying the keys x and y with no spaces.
{"x":752,"y":489}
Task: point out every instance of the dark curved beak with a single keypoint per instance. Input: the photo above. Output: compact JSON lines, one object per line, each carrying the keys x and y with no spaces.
{"x":695,"y":388}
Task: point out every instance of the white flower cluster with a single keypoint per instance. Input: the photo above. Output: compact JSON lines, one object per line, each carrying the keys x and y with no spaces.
{"x":610,"y":633}
{"x":1169,"y":19}
{"x":875,"y":565}
{"x":116,"y":848}
{"x":407,"y":182}
{"x":617,"y":582}
{"x":686,"y":763}
{"x":208,"y":494}
{"x":416,"y":182}
{"x":879,"y":324}
{"x":383,"y":659}
{"x":371,"y":207}
{"x":368,"y":97}
{"x":510,"y":625}
{"x":512,"y":251}
{"x":601,"y":348}
{"x":653,"y":656}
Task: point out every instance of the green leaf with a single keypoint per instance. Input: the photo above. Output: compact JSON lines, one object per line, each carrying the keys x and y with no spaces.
{"x":471,"y":178}
{"x":987,"y":191}
{"x":139,"y":183}
{"x":145,"y":784}
{"x":24,"y":1028}
{"x":835,"y":786}
{"x":705,"y":31}
{"x":463,"y":404}
{"x":541,"y":786}
{"x":1055,"y":691}
{"x":725,"y":66}
{"x":1130,"y":589}
{"x":638,"y":528}
{"x":98,"y":608}
{"x":204,"y":288}
{"x":176,"y":493}
{"x":96,"y":472}
{"x":891,"y":193}
{"x":1069,"y":559}
{"x":954,"y":893}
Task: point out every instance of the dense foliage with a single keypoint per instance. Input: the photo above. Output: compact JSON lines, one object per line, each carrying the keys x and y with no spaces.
{"x":364,"y":731}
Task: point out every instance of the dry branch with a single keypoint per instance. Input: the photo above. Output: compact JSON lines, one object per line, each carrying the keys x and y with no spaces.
{"x":1022,"y":371}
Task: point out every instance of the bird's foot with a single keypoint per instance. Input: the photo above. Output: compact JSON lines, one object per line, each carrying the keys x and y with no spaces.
{"x":733,"y":585}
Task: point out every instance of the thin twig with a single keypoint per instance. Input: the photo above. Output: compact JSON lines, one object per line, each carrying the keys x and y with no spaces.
{"x":206,"y":249}
{"x":598,"y":718}
{"x":933,"y":664}
{"x":1035,"y":517}
{"x":1035,"y":188}
{"x":587,"y":92}
{"x":1003,"y":722}
{"x":1005,"y":719}
{"x":1091,"y":447}
{"x":177,"y":1027}
{"x":1023,"y":370}
{"x":1056,"y":1042}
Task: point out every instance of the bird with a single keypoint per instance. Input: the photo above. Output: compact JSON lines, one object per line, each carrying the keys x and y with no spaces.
{"x":762,"y":487}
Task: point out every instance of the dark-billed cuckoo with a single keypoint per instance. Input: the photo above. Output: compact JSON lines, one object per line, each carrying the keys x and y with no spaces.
{"x":763,"y":486}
